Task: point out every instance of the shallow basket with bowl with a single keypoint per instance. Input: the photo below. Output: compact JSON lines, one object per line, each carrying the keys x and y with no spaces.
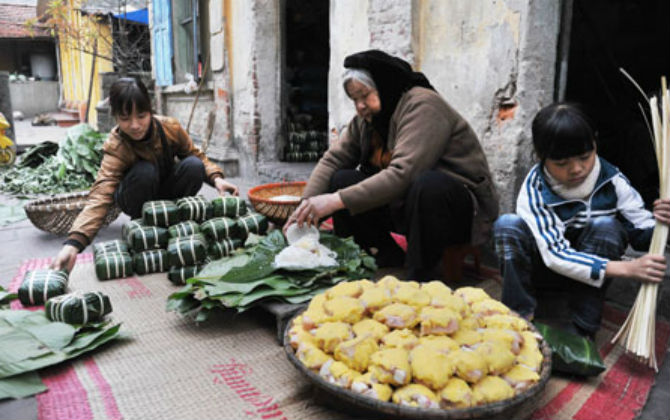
{"x":277,"y":200}
{"x":518,"y":407}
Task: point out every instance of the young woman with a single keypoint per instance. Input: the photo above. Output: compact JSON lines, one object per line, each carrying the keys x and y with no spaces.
{"x":408,"y":163}
{"x":576,"y":214}
{"x":146,"y":157}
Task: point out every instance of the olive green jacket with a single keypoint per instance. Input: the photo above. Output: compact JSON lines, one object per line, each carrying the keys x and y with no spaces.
{"x":425,"y":133}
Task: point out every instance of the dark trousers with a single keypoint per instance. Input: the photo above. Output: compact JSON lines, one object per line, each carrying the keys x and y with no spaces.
{"x":142,"y":183}
{"x":531,"y":288}
{"x":436,"y":212}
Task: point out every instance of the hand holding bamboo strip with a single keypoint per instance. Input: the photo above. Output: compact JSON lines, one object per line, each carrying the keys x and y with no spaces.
{"x":638,"y":332}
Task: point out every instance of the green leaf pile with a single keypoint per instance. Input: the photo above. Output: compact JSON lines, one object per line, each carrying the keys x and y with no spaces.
{"x":29,"y":341}
{"x":73,"y":167}
{"x":248,"y":277}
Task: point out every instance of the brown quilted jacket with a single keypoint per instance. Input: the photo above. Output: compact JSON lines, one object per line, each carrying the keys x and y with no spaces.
{"x":119,"y":154}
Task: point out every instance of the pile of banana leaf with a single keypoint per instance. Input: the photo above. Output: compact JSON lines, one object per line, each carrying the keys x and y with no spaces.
{"x":248,"y":277}
{"x":29,"y":341}
{"x":72,"y":168}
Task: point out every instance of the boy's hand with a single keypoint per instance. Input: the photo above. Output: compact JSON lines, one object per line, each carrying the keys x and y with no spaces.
{"x":662,"y":210}
{"x":65,"y":259}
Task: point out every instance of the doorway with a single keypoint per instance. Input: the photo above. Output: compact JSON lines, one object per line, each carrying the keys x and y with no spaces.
{"x":607,"y":35}
{"x":307,"y":56}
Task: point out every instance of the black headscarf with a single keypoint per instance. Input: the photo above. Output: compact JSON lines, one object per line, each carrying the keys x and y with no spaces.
{"x":393,"y":77}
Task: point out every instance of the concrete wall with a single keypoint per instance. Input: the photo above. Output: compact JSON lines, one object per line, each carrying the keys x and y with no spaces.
{"x":493,"y":61}
{"x":34,"y":97}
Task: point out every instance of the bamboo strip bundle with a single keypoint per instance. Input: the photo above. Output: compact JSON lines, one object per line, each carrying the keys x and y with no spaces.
{"x":638,"y":332}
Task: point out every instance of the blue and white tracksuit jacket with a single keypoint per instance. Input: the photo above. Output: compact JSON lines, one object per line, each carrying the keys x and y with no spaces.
{"x":549,"y":216}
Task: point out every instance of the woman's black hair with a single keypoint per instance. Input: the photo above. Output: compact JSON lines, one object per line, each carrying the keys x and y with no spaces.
{"x":562,"y":130}
{"x":128,"y":93}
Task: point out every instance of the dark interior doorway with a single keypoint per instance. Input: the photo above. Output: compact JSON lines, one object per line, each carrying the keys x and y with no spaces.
{"x":307,"y":55}
{"x":607,"y":35}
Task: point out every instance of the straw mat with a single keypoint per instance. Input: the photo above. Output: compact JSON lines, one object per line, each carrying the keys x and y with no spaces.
{"x":232,"y":367}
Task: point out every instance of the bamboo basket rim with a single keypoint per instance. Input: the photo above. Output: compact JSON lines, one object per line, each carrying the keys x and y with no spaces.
{"x":399,"y":411}
{"x":253,"y":192}
{"x":58,"y":202}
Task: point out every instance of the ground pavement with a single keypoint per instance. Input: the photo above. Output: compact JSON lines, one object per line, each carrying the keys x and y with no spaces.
{"x":21,"y":241}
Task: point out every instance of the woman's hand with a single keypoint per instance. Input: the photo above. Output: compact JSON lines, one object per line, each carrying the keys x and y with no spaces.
{"x":312,"y":209}
{"x":224,"y":186}
{"x":662,"y":210}
{"x":65,"y":259}
{"x":647,"y":268}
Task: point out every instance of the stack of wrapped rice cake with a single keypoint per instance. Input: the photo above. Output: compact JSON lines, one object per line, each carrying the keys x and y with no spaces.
{"x":178,"y":237}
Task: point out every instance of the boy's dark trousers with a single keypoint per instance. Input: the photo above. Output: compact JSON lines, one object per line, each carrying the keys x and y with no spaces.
{"x":435,"y":213}
{"x":530,"y":288}
{"x":142,"y":183}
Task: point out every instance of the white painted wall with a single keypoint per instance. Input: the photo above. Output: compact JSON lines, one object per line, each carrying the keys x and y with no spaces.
{"x":349,"y":33}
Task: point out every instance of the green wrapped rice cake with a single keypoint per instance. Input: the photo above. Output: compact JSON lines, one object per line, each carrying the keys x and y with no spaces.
{"x":162,"y":213}
{"x":223,"y":248}
{"x":194,"y":208}
{"x":186,"y":251}
{"x":229,"y":207}
{"x":113,"y":266}
{"x":148,"y":237}
{"x":151,"y":261}
{"x":128,"y":227}
{"x":109,"y":247}
{"x":253,"y":223}
{"x":221,"y":228}
{"x":40,"y":285}
{"x":183,"y":229}
{"x":179,"y":275}
{"x":78,"y":308}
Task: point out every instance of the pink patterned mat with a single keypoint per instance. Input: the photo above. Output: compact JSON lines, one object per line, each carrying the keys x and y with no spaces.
{"x":175,"y":369}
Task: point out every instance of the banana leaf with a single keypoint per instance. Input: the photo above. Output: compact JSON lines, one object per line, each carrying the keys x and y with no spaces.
{"x":150,"y":261}
{"x":183,"y":229}
{"x":178,"y":275}
{"x":189,"y":250}
{"x":571,"y":353}
{"x":220,"y":228}
{"x":41,"y":284}
{"x":249,"y":277}
{"x":229,"y":207}
{"x":6,"y":297}
{"x":29,"y":341}
{"x":113,"y":265}
{"x":109,"y":247}
{"x":194,"y":208}
{"x":21,"y":386}
{"x":162,"y":213}
{"x":78,"y":308}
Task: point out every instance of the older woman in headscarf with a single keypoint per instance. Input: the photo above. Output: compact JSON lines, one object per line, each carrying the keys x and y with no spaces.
{"x":408,"y":163}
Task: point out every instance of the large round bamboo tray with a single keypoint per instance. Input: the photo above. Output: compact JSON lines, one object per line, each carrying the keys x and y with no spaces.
{"x":56,"y":213}
{"x":278,"y":212}
{"x":519,"y":407}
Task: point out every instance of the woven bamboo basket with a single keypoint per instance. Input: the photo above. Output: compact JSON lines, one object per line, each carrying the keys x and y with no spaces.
{"x":56,"y":213}
{"x":262,"y":198}
{"x":521,"y":406}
